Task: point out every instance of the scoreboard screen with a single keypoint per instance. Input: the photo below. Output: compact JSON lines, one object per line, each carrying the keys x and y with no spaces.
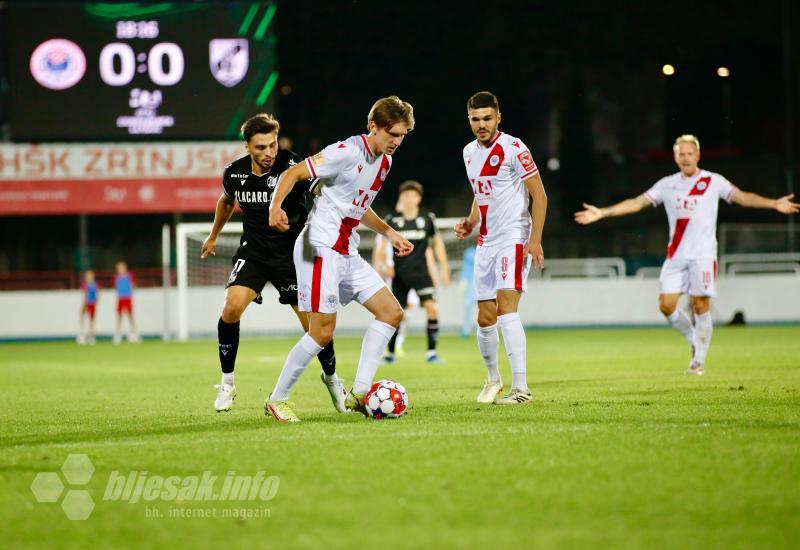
{"x":138,"y":70}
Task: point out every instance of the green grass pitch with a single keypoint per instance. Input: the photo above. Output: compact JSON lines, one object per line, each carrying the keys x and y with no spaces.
{"x":619,"y":448}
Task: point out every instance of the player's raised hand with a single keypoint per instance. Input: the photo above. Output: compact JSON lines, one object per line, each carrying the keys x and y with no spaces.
{"x":209,"y":247}
{"x":401,"y":244}
{"x":590,"y":215}
{"x":784,"y":205}
{"x":278,"y":219}
{"x":463,"y":229}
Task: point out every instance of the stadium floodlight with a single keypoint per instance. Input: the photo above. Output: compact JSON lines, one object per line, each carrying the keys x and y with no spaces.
{"x":668,"y":69}
{"x":723,"y":72}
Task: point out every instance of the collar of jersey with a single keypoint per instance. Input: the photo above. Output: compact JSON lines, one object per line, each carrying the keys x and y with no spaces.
{"x":366,"y":145}
{"x":692,"y":178}
{"x":494,"y":140}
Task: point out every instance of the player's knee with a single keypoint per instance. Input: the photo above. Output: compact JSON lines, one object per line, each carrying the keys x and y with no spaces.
{"x":232,"y":312}
{"x":393,"y":316}
{"x":322,"y":335}
{"x":486,"y":319}
{"x":666,"y":307}
{"x":701,"y":305}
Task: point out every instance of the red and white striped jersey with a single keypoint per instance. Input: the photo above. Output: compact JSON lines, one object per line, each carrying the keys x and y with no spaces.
{"x":496,"y":173}
{"x":351,"y":176}
{"x":691,"y":204}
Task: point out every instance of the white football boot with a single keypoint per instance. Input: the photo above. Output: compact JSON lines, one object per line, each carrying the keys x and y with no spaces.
{"x":490,"y":390}
{"x":515,"y":397}
{"x":695,"y":369}
{"x":226,"y":395}
{"x":337,"y":391}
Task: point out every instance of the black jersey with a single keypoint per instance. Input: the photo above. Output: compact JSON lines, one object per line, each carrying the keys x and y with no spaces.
{"x":417,"y":230}
{"x":254,"y":193}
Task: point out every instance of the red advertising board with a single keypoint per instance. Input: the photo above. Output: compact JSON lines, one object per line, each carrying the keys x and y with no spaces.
{"x":112,"y":178}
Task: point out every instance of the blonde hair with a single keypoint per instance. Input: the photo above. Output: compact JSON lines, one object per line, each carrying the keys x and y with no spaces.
{"x":388,"y":111}
{"x":685,"y":138}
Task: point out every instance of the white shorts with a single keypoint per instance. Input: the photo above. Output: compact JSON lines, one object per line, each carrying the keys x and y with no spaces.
{"x":692,"y":277}
{"x":500,"y":267}
{"x":330,"y":278}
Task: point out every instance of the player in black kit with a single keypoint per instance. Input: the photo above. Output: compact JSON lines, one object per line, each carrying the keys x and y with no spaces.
{"x":264,"y":254}
{"x":411,"y":272}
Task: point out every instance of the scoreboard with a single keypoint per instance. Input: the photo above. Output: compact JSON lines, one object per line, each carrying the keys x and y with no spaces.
{"x":138,"y":70}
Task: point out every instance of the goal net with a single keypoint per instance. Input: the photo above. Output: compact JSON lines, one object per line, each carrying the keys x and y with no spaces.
{"x":200,"y":280}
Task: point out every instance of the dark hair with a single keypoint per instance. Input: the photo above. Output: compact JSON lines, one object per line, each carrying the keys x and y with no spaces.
{"x":410,"y":185}
{"x":262,"y":123}
{"x":388,"y":111}
{"x":481,"y":100}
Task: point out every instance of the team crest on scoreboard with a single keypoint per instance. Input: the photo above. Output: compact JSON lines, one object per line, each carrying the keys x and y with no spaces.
{"x":229,"y":59}
{"x":58,"y":64}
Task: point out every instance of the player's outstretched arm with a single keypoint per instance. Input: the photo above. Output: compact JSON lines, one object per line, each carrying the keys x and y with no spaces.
{"x":277,"y":217}
{"x":400,"y":243}
{"x":464,"y":227}
{"x":535,"y":187}
{"x":591,"y":213}
{"x":222,"y":214}
{"x":784,"y":205}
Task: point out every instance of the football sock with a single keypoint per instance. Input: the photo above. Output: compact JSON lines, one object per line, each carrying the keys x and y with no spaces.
{"x":393,"y":342}
{"x":680,"y":321}
{"x":375,"y":340}
{"x":488,"y":342}
{"x":516,"y":348}
{"x":228,"y":335}
{"x":227,"y":378}
{"x":327,"y":358}
{"x":433,"y":333}
{"x":704,"y":327}
{"x":296,"y":362}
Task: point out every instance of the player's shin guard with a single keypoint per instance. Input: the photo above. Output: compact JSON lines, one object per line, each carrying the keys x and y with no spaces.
{"x":488,"y":342}
{"x":433,"y":333}
{"x":327,"y":358}
{"x":296,"y":362}
{"x":375,"y":340}
{"x":704,"y":327}
{"x":228,"y":336}
{"x":680,"y":321}
{"x":516,"y":348}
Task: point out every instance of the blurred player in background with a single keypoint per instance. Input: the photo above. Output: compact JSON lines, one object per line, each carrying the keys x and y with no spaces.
{"x":89,"y":287}
{"x":411,"y":272}
{"x":124,"y":283}
{"x":503,"y":176}
{"x":264,"y":254}
{"x":691,"y":199}
{"x":329,"y":269}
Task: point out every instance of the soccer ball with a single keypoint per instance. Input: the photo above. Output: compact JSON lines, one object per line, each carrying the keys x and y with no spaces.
{"x":386,"y":399}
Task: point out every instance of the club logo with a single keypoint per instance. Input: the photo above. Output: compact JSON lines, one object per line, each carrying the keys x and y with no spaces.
{"x":332,"y":300}
{"x":58,"y":64}
{"x":229,"y":59}
{"x":701,"y":185}
{"x":494,"y":160}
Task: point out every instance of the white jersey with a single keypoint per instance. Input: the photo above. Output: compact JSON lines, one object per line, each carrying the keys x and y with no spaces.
{"x":496,"y":173}
{"x":691,"y":204}
{"x":351,"y":175}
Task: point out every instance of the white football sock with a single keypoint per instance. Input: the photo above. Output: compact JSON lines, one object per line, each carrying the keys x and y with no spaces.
{"x":488,"y":342}
{"x":516,"y":348}
{"x":296,"y":362}
{"x":704,"y":327}
{"x":227,"y":378}
{"x":680,"y":321}
{"x":375,"y":340}
{"x":329,"y":378}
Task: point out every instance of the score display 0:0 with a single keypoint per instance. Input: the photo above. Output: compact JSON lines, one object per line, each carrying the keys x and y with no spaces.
{"x":128,"y":60}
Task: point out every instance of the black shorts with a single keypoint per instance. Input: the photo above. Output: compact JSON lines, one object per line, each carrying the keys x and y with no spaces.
{"x":419,"y":281}
{"x":254,"y":274}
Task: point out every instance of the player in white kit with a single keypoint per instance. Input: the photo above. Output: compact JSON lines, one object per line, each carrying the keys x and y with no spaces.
{"x":691,"y":199}
{"x":329,"y":269}
{"x":503,"y":176}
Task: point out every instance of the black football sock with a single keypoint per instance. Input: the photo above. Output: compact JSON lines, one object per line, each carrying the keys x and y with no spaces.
{"x":228,"y":334}
{"x":392,"y":342}
{"x":327,"y":358}
{"x":433,"y":334}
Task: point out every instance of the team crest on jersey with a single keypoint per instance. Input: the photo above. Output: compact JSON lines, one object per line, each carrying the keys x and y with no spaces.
{"x":701,"y":185}
{"x":494,"y":160}
{"x":332,"y":300}
{"x":229,"y":60}
{"x":420,"y":223}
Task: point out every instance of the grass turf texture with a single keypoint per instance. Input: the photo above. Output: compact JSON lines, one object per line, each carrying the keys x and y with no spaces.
{"x":619,"y":448}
